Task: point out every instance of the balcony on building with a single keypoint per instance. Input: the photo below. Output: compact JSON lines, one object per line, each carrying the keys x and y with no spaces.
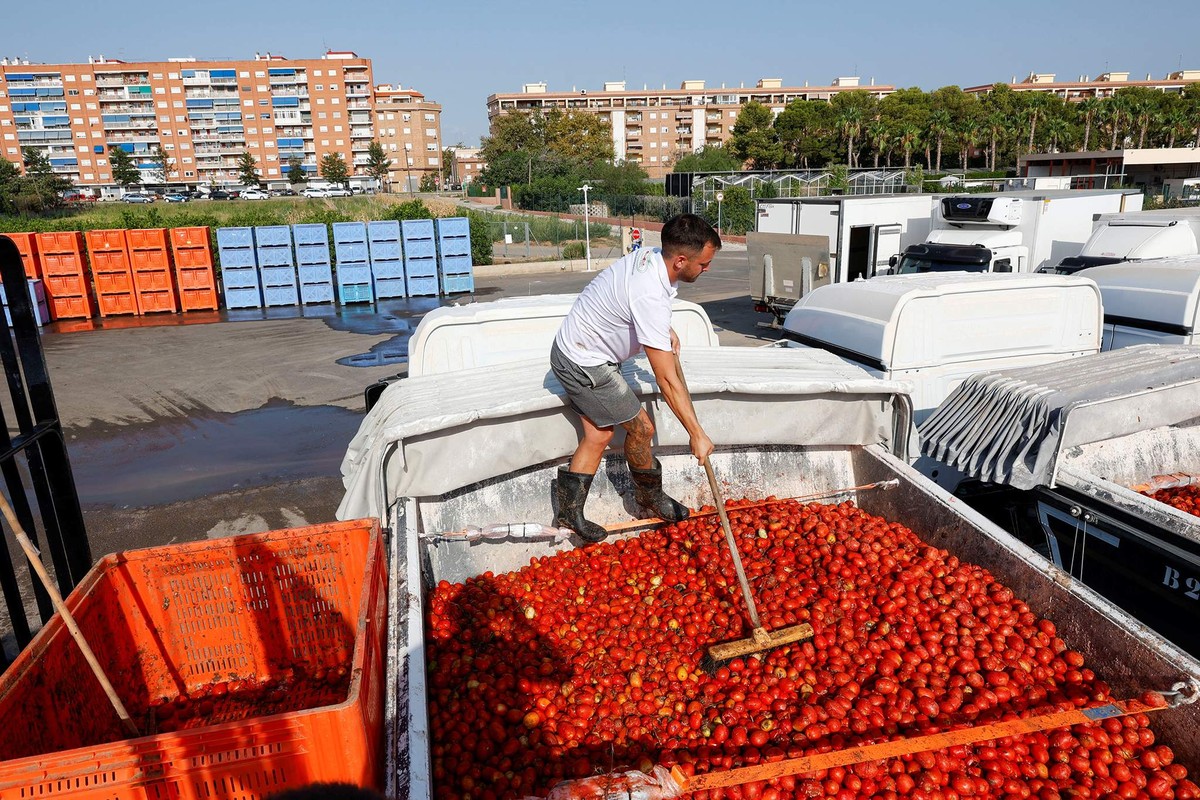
{"x":364,"y":132}
{"x":117,"y":79}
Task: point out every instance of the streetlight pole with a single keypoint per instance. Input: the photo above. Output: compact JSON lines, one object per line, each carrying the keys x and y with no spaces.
{"x":720,"y":197}
{"x":587,"y":231}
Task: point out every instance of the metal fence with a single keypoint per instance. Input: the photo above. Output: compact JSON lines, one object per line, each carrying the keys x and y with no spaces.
{"x":552,"y":239}
{"x":33,"y":462}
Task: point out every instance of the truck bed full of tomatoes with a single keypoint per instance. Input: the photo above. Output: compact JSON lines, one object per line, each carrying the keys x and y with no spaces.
{"x":1184,"y":498}
{"x":588,"y":661}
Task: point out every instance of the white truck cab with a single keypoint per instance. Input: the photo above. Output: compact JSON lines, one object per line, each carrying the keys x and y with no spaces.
{"x":1149,"y":302}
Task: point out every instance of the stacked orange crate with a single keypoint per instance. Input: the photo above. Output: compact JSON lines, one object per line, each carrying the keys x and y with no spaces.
{"x":63,"y":270}
{"x":27,"y":245}
{"x":152,"y":279}
{"x":111,"y":272}
{"x":194,"y":269}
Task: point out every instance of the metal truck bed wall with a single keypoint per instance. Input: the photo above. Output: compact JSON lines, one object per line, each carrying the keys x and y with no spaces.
{"x":1128,"y":655}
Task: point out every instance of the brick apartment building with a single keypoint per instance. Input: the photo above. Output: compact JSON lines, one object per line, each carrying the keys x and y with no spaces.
{"x":466,"y":166}
{"x":656,"y":127}
{"x":410,"y":129}
{"x":1105,"y":85}
{"x":204,"y":114}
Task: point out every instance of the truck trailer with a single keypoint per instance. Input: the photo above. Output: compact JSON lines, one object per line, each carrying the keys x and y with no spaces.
{"x":1139,"y":236}
{"x":474,"y":449}
{"x":1010,"y":231}
{"x":1149,"y":302}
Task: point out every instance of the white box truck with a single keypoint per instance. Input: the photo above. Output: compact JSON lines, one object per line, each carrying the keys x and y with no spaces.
{"x":1149,"y":302}
{"x":864,"y":230}
{"x":1010,"y":231}
{"x":1139,"y":236}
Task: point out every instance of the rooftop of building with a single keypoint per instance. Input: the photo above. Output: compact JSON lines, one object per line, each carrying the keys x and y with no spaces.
{"x":1047,"y":80}
{"x":620,"y":88}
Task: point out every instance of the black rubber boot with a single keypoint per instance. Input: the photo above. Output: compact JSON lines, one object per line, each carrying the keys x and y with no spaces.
{"x":648,"y":493}
{"x":572,"y":494}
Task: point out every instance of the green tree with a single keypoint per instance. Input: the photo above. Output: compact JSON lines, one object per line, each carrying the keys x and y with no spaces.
{"x":753,"y":139}
{"x":379,"y":166}
{"x":1088,"y":109}
{"x":1144,"y":108}
{"x":428,"y":183}
{"x":940,"y":121}
{"x":853,"y":110}
{"x":333,"y":168}
{"x":10,"y":186}
{"x":709,"y":158}
{"x":806,"y":133}
{"x":736,"y":211}
{"x":247,"y":168}
{"x":124,"y":172}
{"x":1190,"y":99}
{"x":162,"y":164}
{"x":295,"y":171}
{"x":525,"y":147}
{"x":41,"y":187}
{"x":906,"y":114}
{"x":448,"y":164}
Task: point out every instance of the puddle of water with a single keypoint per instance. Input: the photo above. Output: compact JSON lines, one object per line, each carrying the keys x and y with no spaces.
{"x":183,"y":459}
{"x":393,"y":351}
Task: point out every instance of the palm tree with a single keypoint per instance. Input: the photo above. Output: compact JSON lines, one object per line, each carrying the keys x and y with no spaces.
{"x":850,"y":120}
{"x":969,"y":130}
{"x":940,"y":122}
{"x":880,"y":137}
{"x":1176,"y":122}
{"x":908,"y":136}
{"x":1118,"y":111}
{"x":1056,"y":128}
{"x":997,"y":125}
{"x":1035,"y":105}
{"x":1089,"y":108}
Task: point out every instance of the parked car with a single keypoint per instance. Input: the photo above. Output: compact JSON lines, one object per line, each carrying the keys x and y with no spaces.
{"x":314,"y":191}
{"x":176,"y":197}
{"x":135,"y":197}
{"x":79,"y":197}
{"x":338,"y":191}
{"x":219,"y":194}
{"x":254,"y":194}
{"x":284,"y":193}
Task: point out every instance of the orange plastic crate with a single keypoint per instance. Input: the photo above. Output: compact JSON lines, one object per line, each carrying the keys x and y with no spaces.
{"x":65,"y":285}
{"x":114,"y":305}
{"x":190,"y":237}
{"x":198,"y":299}
{"x":61,"y":242}
{"x":113,"y":282}
{"x":146,"y":238}
{"x":245,"y":609}
{"x":111,"y":239}
{"x":79,"y":307}
{"x":62,"y":264}
{"x":109,"y":261}
{"x":28,"y":247}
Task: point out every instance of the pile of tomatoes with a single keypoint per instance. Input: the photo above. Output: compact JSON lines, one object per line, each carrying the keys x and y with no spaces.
{"x":588,"y":661}
{"x":1184,"y":498}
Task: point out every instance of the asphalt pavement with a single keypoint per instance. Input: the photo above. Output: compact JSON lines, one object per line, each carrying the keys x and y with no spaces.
{"x":236,"y":422}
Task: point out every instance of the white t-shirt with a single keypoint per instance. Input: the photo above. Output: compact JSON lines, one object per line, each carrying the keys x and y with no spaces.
{"x":625,"y":308}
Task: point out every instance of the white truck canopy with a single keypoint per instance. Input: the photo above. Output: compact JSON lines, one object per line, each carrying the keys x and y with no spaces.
{"x":1160,"y":296}
{"x":897,"y":322}
{"x":1012,"y":427}
{"x":1142,"y":236}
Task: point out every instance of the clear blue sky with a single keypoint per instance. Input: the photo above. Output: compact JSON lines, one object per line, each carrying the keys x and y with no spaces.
{"x":459,"y":53}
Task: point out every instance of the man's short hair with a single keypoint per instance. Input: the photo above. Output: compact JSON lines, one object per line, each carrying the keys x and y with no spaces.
{"x":688,"y":234}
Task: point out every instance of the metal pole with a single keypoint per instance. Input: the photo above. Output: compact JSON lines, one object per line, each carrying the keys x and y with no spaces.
{"x":718,"y":215}
{"x":587,"y":229}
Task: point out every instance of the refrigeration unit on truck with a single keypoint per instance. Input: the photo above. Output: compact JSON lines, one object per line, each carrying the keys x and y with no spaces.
{"x":1068,"y":458}
{"x":1010,"y":231}
{"x":477,"y":449}
{"x":1149,"y":302}
{"x":864,"y":231}
{"x":1140,"y":236}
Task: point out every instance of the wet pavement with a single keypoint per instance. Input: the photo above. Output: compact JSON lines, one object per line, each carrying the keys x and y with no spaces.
{"x":184,"y":427}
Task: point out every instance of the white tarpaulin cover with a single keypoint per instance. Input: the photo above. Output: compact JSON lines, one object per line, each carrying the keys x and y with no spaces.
{"x":1010,"y":427}
{"x":434,"y":434}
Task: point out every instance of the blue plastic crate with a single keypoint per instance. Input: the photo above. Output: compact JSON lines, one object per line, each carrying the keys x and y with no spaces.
{"x":353,"y":273}
{"x":351,"y":251}
{"x":454,"y":246}
{"x":458,"y":284}
{"x":281,"y":296}
{"x":315,"y":273}
{"x":355,"y":293}
{"x":275,"y":256}
{"x":417,"y":229}
{"x":310,"y":233}
{"x":387,"y":269}
{"x":422,"y":286}
{"x":238,"y":257}
{"x":388,"y":251}
{"x":390,"y":287}
{"x":454,"y":226}
{"x":385,"y":230}
{"x":419,"y":248}
{"x":349,"y":232}
{"x":278,"y":276}
{"x":235,"y":237}
{"x":239,"y":278}
{"x":425,"y":267}
{"x":456,"y":265}
{"x":316,"y":253}
{"x":268,"y":235}
{"x":242,"y":298}
{"x":316,"y":293}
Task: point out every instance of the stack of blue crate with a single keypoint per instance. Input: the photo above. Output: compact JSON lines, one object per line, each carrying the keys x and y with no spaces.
{"x":454,"y":253}
{"x":239,"y":269}
{"x":353,"y":264}
{"x":37,"y":299}
{"x":276,"y":265}
{"x":313,"y":264}
{"x":387,"y":262}
{"x":420,"y":257}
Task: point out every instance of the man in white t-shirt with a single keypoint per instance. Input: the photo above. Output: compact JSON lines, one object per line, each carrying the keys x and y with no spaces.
{"x":627,"y":309}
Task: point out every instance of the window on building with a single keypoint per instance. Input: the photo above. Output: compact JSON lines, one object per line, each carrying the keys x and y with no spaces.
{"x":320,"y":115}
{"x":335,"y":100}
{"x":408,"y":145}
{"x":272,"y":157}
{"x":87,"y":176}
{"x":653,"y":145}
{"x":265,"y":115}
{"x":69,"y":78}
{"x":431,"y":146}
{"x":251,"y":130}
{"x":391,"y":116}
{"x":320,"y":87}
{"x":72,"y":93}
{"x":337,"y":115}
{"x":176,"y":90}
{"x":320,"y":101}
{"x":333,"y":87}
{"x":272,"y":171}
{"x":407,"y":131}
{"x":324,"y":129}
{"x":257,"y":73}
{"x":161,"y":104}
{"x":324,"y":143}
{"x":410,"y":162}
{"x":337,"y":128}
{"x":74,"y":107}
{"x":86,"y":162}
{"x":654,"y":158}
{"x":407,"y":117}
{"x":431,"y":131}
{"x":160,"y":90}
{"x":189,"y":174}
{"x":187,"y":159}
{"x":429,"y":117}
{"x":392,"y":146}
{"x":92,"y":107}
{"x":340,"y":142}
{"x":165,"y":119}
{"x":101,"y":162}
{"x":85,"y":78}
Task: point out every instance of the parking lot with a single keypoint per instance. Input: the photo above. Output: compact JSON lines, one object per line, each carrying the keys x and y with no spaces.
{"x":236,"y":422}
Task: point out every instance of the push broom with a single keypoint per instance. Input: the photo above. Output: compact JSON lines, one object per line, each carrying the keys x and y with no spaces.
{"x":760,"y":639}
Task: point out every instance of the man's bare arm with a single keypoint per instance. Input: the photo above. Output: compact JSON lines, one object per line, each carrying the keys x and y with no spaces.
{"x":666,"y":373}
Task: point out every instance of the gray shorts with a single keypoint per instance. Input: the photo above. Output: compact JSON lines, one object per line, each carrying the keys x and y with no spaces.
{"x":599,"y":393}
